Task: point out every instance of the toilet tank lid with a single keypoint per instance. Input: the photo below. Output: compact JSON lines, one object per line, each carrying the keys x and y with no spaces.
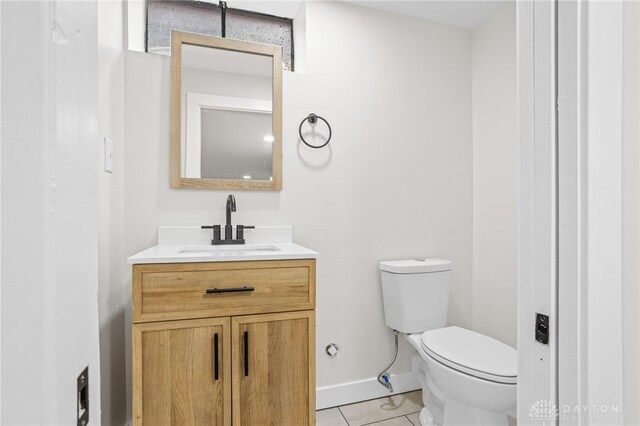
{"x":415,"y":266}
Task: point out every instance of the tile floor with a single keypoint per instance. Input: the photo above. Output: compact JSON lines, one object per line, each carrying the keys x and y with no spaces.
{"x":396,"y":410}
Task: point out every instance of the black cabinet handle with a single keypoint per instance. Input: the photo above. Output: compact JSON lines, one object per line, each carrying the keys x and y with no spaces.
{"x":230,"y":290}
{"x":246,"y":353}
{"x":216,"y":375}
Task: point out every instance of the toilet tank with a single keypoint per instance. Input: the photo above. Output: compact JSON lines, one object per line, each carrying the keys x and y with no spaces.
{"x":415,"y":293}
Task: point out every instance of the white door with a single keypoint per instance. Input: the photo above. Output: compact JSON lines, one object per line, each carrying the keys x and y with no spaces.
{"x":49,"y":211}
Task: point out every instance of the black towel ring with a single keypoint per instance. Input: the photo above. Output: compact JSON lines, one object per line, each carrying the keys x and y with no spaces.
{"x":313,"y":119}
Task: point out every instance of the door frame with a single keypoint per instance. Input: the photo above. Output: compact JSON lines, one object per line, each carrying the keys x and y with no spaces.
{"x":570,"y":210}
{"x":590,"y":295}
{"x":537,"y":209}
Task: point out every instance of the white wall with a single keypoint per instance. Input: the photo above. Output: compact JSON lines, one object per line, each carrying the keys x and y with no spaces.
{"x":495,"y":177}
{"x":0,"y":214}
{"x":49,"y":211}
{"x":113,"y":273}
{"x":631,"y":212}
{"x":395,"y":181}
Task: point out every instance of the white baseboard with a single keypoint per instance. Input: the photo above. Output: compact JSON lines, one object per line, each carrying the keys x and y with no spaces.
{"x":362,"y":390}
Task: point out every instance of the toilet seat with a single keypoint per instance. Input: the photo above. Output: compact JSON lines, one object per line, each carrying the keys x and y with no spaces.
{"x":471,"y":353}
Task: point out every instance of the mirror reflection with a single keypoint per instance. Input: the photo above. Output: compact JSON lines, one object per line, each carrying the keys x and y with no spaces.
{"x":226,"y":114}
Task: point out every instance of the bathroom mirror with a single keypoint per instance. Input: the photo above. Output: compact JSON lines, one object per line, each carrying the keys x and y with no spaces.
{"x":226,"y":113}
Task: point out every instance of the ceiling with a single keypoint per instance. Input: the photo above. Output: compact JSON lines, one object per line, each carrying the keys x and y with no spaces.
{"x":465,"y":14}
{"x":227,"y":61}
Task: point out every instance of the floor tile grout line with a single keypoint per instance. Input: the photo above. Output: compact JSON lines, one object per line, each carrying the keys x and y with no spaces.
{"x":411,"y":421}
{"x":342,"y":414}
{"x":384,"y":420}
{"x":339,"y":407}
{"x":375,"y":399}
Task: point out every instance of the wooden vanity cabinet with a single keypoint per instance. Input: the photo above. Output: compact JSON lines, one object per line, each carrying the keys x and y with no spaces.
{"x":219,"y":360}
{"x":182,"y":373}
{"x":274,"y":370}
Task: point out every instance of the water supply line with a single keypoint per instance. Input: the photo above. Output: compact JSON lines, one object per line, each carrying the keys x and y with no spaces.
{"x":384,"y":378}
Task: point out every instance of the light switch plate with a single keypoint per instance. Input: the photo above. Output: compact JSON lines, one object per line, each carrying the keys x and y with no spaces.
{"x":108,"y":155}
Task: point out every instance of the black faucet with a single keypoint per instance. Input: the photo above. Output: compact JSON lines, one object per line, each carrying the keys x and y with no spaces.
{"x":231,"y":207}
{"x":228,"y":228}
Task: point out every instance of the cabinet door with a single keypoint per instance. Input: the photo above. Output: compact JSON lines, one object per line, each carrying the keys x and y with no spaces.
{"x":182,"y":373}
{"x":274,"y":369}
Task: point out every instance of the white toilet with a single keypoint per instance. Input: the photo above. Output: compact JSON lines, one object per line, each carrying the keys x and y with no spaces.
{"x":467,"y":378}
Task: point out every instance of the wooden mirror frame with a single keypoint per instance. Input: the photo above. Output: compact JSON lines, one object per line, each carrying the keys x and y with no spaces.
{"x":179,"y":38}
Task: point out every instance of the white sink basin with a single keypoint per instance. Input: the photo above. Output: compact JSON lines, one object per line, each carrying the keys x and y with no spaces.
{"x":228,"y":250}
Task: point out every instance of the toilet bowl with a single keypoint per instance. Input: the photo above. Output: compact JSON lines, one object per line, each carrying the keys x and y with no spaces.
{"x":467,"y":378}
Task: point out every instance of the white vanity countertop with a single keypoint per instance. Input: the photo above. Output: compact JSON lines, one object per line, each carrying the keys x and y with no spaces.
{"x":203,"y":253}
{"x":192,"y":244}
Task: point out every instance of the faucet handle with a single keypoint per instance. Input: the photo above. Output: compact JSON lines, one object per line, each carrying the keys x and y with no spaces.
{"x":240,"y":231}
{"x":216,"y":232}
